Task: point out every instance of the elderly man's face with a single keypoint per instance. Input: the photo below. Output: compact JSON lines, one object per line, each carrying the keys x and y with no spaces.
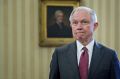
{"x":82,"y":26}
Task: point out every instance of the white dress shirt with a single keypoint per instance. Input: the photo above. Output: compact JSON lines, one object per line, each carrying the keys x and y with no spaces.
{"x":79,"y":50}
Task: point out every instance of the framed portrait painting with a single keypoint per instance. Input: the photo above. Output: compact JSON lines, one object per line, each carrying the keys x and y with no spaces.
{"x":55,"y":27}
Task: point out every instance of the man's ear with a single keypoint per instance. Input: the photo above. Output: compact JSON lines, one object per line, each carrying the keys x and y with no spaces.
{"x":95,"y":25}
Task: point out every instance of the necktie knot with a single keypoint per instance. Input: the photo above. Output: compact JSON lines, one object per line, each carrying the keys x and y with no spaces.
{"x":85,"y":49}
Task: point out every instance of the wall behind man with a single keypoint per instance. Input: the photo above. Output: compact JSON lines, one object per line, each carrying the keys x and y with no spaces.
{"x":20,"y":55}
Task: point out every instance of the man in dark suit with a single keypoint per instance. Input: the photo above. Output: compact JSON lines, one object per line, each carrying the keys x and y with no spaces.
{"x":59,"y":29}
{"x":84,"y":58}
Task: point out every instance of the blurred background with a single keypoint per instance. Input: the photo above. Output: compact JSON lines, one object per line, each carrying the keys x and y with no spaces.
{"x":21,"y":57}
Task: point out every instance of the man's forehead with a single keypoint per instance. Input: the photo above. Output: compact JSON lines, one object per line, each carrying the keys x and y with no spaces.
{"x":82,"y":15}
{"x":81,"y":19}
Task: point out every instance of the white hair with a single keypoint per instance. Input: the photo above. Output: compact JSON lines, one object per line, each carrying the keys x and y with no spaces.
{"x":82,"y":8}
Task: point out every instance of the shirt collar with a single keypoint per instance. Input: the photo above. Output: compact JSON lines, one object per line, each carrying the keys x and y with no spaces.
{"x":89,"y":46}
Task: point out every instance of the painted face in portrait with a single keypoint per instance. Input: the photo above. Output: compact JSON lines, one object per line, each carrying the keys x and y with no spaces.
{"x":59,"y":17}
{"x":83,"y":26}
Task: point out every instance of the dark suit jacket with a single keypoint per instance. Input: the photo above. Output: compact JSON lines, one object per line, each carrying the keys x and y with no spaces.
{"x":104,"y":63}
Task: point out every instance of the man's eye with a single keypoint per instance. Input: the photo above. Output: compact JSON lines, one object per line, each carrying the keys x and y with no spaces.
{"x":74,"y":22}
{"x":84,"y":22}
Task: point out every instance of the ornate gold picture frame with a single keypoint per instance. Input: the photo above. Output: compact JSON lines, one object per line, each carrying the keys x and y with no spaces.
{"x":49,"y":31}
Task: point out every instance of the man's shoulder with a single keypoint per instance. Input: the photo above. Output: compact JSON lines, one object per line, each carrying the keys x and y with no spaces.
{"x":67,"y":46}
{"x":105,"y":48}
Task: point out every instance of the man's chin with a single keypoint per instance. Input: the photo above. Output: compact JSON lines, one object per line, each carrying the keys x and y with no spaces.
{"x":80,"y":38}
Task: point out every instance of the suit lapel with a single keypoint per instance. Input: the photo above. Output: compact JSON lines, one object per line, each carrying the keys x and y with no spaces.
{"x":96,"y":57}
{"x":72,"y":56}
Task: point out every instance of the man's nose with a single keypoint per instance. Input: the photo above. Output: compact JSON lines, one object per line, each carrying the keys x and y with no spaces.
{"x":79,"y":25}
